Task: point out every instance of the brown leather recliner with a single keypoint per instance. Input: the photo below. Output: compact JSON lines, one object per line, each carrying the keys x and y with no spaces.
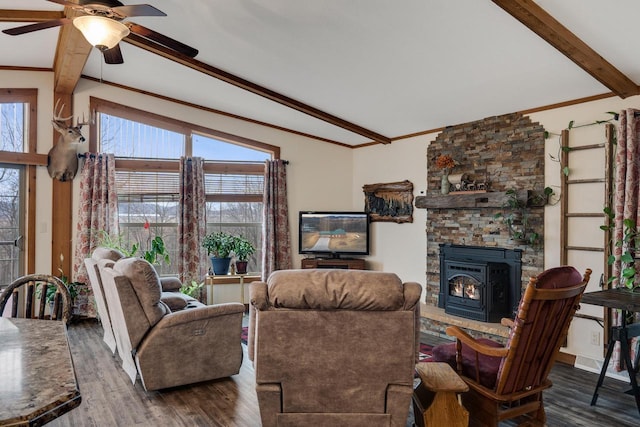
{"x":166,"y":348}
{"x":334,"y":347}
{"x":171,"y":294}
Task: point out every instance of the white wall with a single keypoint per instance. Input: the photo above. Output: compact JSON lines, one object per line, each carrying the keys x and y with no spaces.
{"x":582,"y":331}
{"x":397,"y":248}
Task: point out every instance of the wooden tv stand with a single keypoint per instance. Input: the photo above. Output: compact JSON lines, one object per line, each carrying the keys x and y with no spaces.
{"x":343,"y":263}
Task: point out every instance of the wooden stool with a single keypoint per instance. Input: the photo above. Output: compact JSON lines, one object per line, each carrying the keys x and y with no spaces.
{"x":435,"y":401}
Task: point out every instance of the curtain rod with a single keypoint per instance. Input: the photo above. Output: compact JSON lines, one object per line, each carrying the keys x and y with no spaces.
{"x":635,"y":114}
{"x":92,"y":155}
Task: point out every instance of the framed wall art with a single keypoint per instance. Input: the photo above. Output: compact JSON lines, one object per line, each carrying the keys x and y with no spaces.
{"x":390,"y":202}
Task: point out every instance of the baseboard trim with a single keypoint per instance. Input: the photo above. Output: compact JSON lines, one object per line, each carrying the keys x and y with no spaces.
{"x":566,"y":358}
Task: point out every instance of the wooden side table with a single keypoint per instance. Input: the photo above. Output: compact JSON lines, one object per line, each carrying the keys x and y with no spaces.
{"x":435,"y":400}
{"x":230,"y":279}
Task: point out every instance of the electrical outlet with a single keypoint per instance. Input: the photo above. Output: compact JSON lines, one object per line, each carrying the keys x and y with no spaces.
{"x":595,"y":338}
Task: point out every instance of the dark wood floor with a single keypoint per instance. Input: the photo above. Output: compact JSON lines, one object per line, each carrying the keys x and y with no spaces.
{"x":109,"y":398}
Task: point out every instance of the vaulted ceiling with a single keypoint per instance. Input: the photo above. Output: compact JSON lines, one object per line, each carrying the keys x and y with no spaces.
{"x":355,"y":71}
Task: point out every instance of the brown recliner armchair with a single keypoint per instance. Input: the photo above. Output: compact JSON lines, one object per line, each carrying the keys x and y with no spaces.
{"x":166,"y":348}
{"x":334,"y":347}
{"x":171,"y":294}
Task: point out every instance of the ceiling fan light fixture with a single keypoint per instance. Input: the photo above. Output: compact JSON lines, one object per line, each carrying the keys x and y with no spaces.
{"x":102,"y":33}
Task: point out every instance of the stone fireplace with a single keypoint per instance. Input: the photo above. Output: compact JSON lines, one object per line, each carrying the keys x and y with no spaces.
{"x":505,"y":152}
{"x":479,"y":283}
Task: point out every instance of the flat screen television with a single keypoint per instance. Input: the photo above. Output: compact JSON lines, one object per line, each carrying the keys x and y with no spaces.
{"x":333,"y":234}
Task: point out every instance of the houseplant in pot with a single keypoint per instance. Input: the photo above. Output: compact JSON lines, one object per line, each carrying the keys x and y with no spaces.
{"x":243,"y":249}
{"x":219,"y":246}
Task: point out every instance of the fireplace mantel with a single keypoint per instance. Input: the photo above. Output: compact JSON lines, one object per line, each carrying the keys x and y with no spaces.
{"x":491,"y":199}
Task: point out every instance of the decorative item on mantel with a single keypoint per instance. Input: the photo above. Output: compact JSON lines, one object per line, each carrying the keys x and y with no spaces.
{"x":461,"y":184}
{"x":446,"y":163}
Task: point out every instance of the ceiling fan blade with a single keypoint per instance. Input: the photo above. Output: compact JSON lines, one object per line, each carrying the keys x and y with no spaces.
{"x":113,"y":55}
{"x":138,"y":10}
{"x":37,"y":26}
{"x":115,"y":6}
{"x":65,"y":3}
{"x":162,"y":39}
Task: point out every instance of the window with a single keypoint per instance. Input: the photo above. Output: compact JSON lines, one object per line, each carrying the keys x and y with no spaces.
{"x":17,"y":164}
{"x":11,"y":222}
{"x":147,"y":148}
{"x":129,"y":139}
{"x":12,"y":123}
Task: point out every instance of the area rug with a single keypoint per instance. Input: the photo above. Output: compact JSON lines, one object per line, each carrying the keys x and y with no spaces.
{"x":425,"y":349}
{"x":425,"y":352}
{"x":244,"y":334}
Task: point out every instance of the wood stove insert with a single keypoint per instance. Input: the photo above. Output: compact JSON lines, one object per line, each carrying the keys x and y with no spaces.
{"x":479,"y":283}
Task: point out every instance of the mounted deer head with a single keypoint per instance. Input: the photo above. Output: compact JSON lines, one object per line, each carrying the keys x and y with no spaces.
{"x":63,"y":157}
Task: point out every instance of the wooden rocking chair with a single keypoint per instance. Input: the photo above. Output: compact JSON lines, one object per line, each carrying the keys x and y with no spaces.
{"x":507,"y":382}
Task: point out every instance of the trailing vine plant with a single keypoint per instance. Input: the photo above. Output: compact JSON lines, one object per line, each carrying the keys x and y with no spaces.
{"x":516,"y":215}
{"x":630,"y":238}
{"x":572,"y":125}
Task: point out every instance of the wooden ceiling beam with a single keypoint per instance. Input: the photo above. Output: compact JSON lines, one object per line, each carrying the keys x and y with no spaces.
{"x":10,"y":15}
{"x":72,"y":53}
{"x":553,"y":32}
{"x":227,"y":77}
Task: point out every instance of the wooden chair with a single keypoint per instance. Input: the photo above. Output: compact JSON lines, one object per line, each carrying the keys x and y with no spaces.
{"x":506,"y":382}
{"x":61,"y":309}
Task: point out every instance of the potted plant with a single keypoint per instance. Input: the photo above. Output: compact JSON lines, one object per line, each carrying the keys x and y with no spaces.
{"x":156,"y":253}
{"x":194,"y":290}
{"x":73,"y":287}
{"x":219,"y":246}
{"x":243,"y":249}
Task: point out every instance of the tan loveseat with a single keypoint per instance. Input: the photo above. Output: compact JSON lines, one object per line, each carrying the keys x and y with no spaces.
{"x":171,"y":294}
{"x":334,"y":347}
{"x":168,"y":348}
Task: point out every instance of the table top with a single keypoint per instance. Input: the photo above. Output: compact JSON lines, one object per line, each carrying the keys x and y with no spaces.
{"x":621,"y":298}
{"x":37,"y":379}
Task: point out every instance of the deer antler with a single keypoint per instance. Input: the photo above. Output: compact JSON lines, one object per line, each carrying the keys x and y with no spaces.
{"x":79,"y":123}
{"x":57,"y":113}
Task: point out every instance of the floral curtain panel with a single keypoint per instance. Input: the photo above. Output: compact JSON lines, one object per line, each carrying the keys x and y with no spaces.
{"x":97,"y":216}
{"x":625,"y":202}
{"x":276,"y":241}
{"x":192,"y":221}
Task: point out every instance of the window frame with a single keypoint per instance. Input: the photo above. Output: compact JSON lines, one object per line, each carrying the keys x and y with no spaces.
{"x":102,"y":106}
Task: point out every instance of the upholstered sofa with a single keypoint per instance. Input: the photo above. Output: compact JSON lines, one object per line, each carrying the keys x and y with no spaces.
{"x":334,"y":347}
{"x":171,"y":294}
{"x":167,"y":348}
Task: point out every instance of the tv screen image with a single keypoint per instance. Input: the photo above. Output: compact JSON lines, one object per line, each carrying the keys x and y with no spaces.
{"x":334,"y":233}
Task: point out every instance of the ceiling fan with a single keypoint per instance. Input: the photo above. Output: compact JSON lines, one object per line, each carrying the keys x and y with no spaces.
{"x":108,"y":15}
